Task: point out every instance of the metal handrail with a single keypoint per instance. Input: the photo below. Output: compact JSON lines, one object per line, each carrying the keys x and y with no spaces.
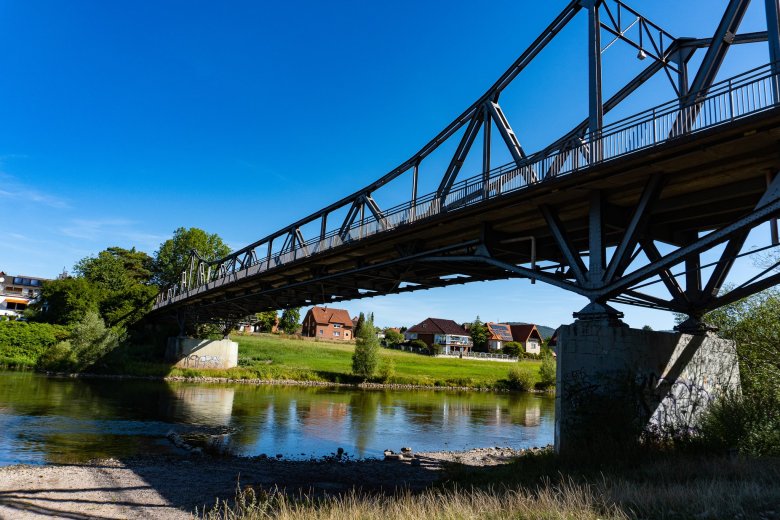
{"x":743,"y":95}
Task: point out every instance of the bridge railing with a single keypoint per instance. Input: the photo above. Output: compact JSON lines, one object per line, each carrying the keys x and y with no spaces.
{"x":741,"y":96}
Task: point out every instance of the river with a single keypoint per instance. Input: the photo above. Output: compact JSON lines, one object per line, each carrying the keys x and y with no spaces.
{"x":45,"y":420}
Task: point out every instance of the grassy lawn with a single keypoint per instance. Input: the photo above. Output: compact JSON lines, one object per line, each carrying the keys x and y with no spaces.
{"x":272,"y":357}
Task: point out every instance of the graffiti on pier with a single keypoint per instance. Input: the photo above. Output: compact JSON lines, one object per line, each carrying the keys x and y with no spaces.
{"x":198,"y":361}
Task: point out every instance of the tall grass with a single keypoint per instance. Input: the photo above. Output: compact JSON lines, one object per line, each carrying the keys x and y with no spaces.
{"x":670,"y":488}
{"x":567,"y":501}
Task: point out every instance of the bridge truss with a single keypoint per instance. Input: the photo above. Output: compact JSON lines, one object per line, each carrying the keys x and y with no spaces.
{"x":603,"y":211}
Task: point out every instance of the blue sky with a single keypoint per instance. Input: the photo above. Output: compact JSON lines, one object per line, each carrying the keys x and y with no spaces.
{"x":122,"y":121}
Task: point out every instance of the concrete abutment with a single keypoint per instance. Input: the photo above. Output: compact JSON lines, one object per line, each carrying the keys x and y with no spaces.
{"x":202,"y":353}
{"x":616,"y":384}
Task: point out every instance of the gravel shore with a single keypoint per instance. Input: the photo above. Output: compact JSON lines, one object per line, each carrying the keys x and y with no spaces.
{"x":172,"y":488}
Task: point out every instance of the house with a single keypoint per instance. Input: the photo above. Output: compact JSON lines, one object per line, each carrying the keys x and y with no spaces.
{"x":17,"y":292}
{"x":528,"y":336}
{"x":452,"y":337}
{"x":498,"y":335}
{"x":327,"y":323}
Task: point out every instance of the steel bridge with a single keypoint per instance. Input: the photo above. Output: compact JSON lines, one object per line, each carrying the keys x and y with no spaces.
{"x":603,"y":211}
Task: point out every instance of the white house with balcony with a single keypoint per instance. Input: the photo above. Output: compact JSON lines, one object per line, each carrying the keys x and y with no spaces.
{"x":452,"y":337}
{"x":17,"y":293}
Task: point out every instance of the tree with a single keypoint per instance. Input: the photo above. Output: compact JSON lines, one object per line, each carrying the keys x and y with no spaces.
{"x":513,"y":348}
{"x":359,"y":325}
{"x":116,"y":268}
{"x":267,"y":320}
{"x":647,"y":327}
{"x":66,"y":301}
{"x":479,"y":335}
{"x":289,"y":320}
{"x":172,"y":257}
{"x":750,"y":420}
{"x":365,"y":359}
{"x":754,"y":326}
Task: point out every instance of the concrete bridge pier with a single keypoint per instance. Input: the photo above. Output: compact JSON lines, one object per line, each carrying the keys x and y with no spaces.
{"x":187,"y":352}
{"x":197,"y":353}
{"x":616,"y":385}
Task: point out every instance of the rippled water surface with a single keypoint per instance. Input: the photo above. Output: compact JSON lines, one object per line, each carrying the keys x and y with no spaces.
{"x":51,"y":420}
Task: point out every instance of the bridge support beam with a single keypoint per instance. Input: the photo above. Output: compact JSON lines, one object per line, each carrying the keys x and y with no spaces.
{"x":617,"y":385}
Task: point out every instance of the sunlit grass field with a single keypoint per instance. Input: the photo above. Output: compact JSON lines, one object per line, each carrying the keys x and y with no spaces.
{"x":267,"y":356}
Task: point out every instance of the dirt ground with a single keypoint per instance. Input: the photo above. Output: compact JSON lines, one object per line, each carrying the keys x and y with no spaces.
{"x":172,"y":488}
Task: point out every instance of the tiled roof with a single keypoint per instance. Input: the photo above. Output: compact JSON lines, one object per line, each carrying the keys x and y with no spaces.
{"x":329,"y":315}
{"x":438,"y":326}
{"x":524,"y":332}
{"x":499,"y":331}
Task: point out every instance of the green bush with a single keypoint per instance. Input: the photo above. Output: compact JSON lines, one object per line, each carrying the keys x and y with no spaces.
{"x":748,"y":423}
{"x":418,"y":343}
{"x":547,"y":372}
{"x":90,"y":340}
{"x":521,"y":378}
{"x":513,"y":348}
{"x":22,"y":343}
{"x":386,"y":370}
{"x":58,"y":358}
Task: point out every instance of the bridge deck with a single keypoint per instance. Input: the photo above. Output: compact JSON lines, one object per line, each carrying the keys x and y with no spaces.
{"x":712,"y":177}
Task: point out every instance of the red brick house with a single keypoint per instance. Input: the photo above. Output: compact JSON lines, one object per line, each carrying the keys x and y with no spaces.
{"x":452,"y":337}
{"x":528,"y":336}
{"x":327,"y":323}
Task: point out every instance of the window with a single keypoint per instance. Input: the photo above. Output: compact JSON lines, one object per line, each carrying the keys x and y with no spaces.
{"x":336,"y":333}
{"x":337,"y":325}
{"x":17,"y":281}
{"x":322,"y":332}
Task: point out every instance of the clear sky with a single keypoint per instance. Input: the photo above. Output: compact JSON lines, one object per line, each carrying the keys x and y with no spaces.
{"x":121,"y":121}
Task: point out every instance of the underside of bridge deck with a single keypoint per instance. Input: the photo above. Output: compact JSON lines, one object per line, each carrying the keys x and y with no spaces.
{"x":699,"y":184}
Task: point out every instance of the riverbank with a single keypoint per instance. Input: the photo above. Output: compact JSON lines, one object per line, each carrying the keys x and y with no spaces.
{"x":365,"y":385}
{"x":265,"y":358}
{"x":487,"y":482}
{"x":272,"y":359}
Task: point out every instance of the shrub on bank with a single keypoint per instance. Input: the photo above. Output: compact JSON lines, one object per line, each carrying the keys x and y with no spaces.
{"x":22,"y":343}
{"x":386,"y":370}
{"x":746,"y":422}
{"x":90,"y":340}
{"x":547,"y":372}
{"x":521,"y":378}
